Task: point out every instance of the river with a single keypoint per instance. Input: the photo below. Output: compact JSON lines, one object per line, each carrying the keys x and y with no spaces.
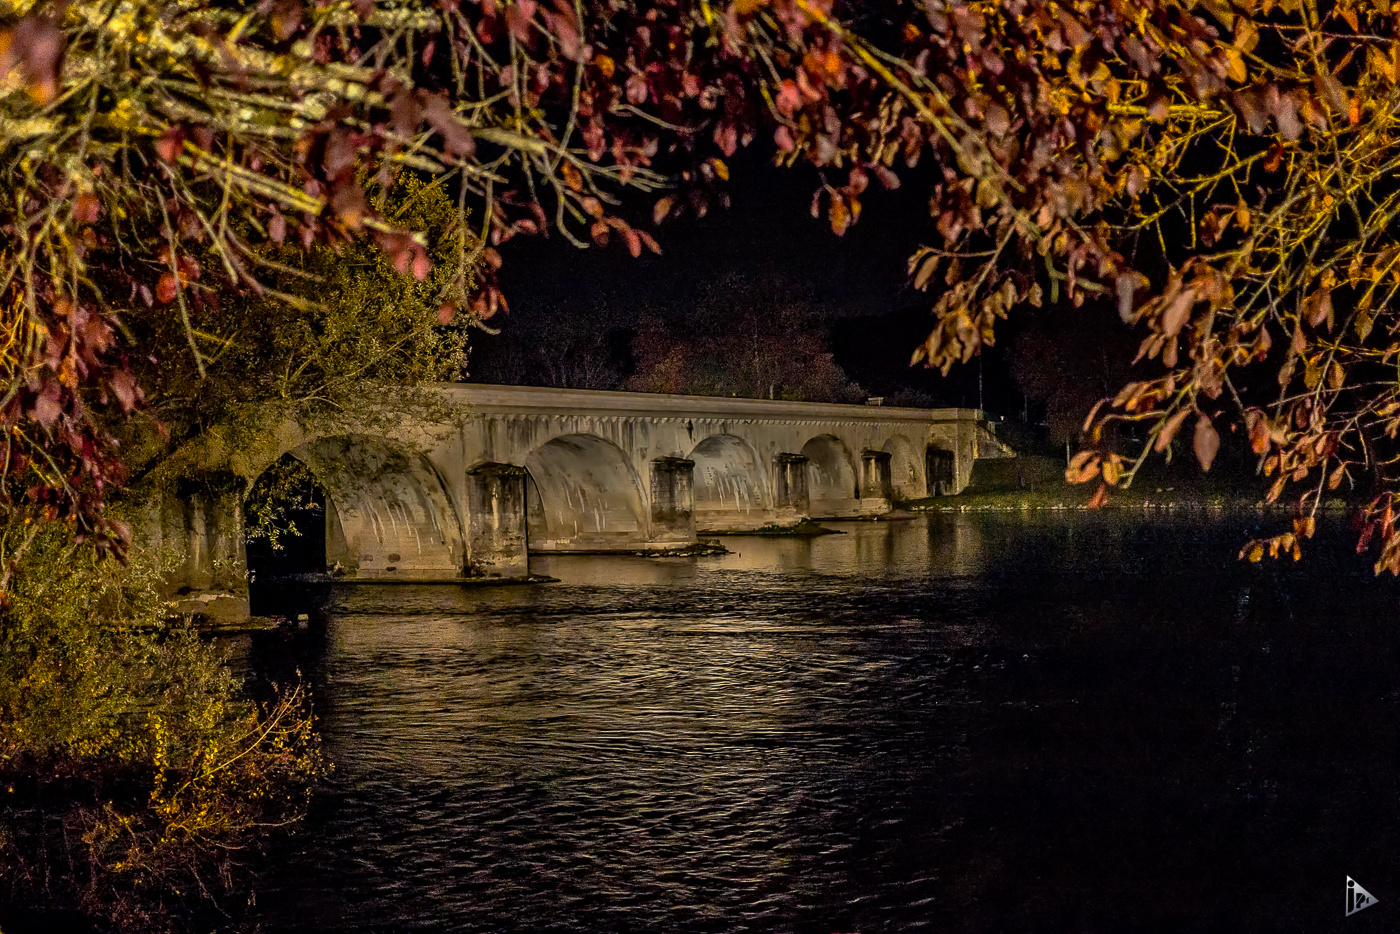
{"x":954,"y":723}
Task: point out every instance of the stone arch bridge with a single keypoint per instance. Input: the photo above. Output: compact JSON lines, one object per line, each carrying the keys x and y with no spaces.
{"x":514,"y":470}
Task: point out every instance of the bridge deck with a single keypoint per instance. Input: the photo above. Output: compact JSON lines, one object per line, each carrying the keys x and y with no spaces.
{"x":535,"y":400}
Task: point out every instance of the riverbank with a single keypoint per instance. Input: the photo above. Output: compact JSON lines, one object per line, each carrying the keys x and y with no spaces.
{"x":133,"y":761}
{"x":1066,"y":497}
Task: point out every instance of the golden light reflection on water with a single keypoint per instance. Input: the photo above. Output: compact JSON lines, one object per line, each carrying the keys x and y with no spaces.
{"x":962,"y":722}
{"x":686,"y":664}
{"x":933,"y":546}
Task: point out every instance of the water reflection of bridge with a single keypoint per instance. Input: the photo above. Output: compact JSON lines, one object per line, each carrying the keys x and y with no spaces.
{"x":520,"y":469}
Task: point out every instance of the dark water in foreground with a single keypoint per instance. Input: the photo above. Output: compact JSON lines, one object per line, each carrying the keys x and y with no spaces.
{"x":972,"y":723}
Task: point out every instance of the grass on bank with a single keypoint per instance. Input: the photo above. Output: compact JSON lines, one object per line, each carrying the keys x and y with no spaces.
{"x":1072,"y":497}
{"x":1145,"y":496}
{"x":1037,"y":482}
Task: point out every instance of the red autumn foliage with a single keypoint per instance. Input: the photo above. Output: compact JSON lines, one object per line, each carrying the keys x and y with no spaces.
{"x":1176,"y":157}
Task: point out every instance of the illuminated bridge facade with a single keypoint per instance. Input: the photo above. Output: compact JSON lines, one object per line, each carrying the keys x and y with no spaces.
{"x":511,"y":470}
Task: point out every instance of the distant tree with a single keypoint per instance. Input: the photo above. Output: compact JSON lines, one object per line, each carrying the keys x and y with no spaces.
{"x":742,"y":337}
{"x":1069,"y":360}
{"x":565,"y":347}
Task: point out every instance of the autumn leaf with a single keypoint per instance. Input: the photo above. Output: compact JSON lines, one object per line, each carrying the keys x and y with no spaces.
{"x":518,"y":16}
{"x":1206,"y":442}
{"x":926,"y":271}
{"x":1235,"y":66}
{"x":456,"y":136}
{"x":170,"y":142}
{"x":839,"y":215}
{"x":1126,"y":285}
{"x":86,"y":208}
{"x":123,"y":385}
{"x":166,"y":289}
{"x":1257,"y":425}
{"x":1112,"y":471}
{"x":1175,"y":315}
{"x":789,"y":98}
{"x":1082,"y":467}
{"x":286,"y":18}
{"x":1100,"y":497}
{"x":1169,"y":430}
{"x":998,"y":121}
{"x":47,"y":407}
{"x":661,"y":210}
{"x":34,"y":48}
{"x":573,"y":179}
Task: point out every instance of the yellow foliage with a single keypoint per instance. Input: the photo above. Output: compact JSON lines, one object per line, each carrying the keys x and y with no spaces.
{"x":99,"y":686}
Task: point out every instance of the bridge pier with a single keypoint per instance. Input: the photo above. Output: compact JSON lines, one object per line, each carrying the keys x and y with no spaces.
{"x":200,"y":526}
{"x":791,"y":500}
{"x":496,"y":522}
{"x":672,"y":500}
{"x":876,"y":486}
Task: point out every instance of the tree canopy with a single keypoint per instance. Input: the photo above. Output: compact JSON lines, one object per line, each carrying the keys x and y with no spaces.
{"x":1220,"y":172}
{"x":742,"y":337}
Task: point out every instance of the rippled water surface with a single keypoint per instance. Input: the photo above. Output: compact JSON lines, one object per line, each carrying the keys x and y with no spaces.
{"x":971,"y":723}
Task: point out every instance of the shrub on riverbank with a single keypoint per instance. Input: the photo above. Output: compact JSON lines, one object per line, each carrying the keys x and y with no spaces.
{"x":131,"y":759}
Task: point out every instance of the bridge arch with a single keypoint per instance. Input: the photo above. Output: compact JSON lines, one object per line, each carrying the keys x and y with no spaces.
{"x":387,"y":511}
{"x":831,"y":477}
{"x":906,"y":468}
{"x":730,"y":482}
{"x":582,"y":493}
{"x":285,"y":520}
{"x":941,"y":469}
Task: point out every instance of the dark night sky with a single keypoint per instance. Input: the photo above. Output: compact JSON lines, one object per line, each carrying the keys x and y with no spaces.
{"x":856,"y":282}
{"x":768,"y":229}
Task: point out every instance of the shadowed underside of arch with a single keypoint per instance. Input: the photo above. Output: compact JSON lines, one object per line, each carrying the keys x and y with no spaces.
{"x":731,"y":486}
{"x":831,"y":478}
{"x":388,"y":513}
{"x":906,"y":469}
{"x":583,"y":494}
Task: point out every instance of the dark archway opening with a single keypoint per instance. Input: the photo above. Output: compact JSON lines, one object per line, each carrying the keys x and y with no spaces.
{"x":285,"y":523}
{"x":941,"y":472}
